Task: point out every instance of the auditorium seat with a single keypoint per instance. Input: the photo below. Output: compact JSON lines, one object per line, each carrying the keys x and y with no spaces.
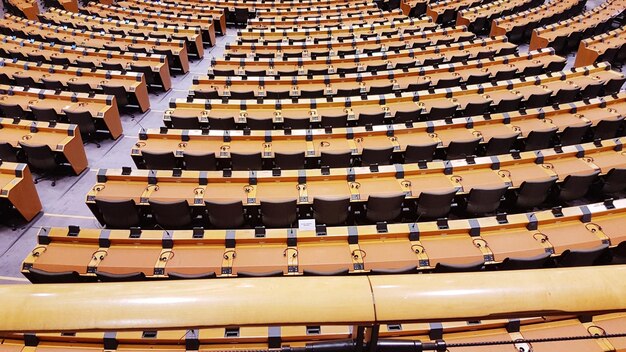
{"x":607,"y":129}
{"x":416,"y":153}
{"x":85,"y":124}
{"x":461,"y":149}
{"x":38,"y":276}
{"x":498,"y":145}
{"x":246,"y":161}
{"x":331,"y":211}
{"x":384,"y":208}
{"x":14,"y":111}
{"x":482,"y":201}
{"x":159,"y":161}
{"x":574,"y":134}
{"x":376,"y":156}
{"x":584,"y":257}
{"x":199,"y":161}
{"x":44,"y":114}
{"x":614,"y":181}
{"x":458,"y":268}
{"x":576,"y":186}
{"x":127,"y":277}
{"x":225,"y":215}
{"x":334,"y":159}
{"x":8,"y":152}
{"x":433,"y":205}
{"x":540,"y":139}
{"x":184,"y":122}
{"x":118,"y":214}
{"x":171,"y":215}
{"x":289,"y":161}
{"x":532,"y":193}
{"x":43,"y":160}
{"x":279,"y":213}
{"x":538,"y":261}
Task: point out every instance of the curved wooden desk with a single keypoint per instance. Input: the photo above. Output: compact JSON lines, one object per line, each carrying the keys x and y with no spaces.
{"x":16,"y":186}
{"x":590,"y":49}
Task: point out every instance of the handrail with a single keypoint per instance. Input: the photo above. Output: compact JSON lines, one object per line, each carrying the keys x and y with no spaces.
{"x":310,"y":300}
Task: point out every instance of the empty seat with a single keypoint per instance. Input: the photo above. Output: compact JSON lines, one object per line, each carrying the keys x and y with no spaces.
{"x":335,"y":158}
{"x":42,"y":160}
{"x":384,"y":208}
{"x":159,"y":160}
{"x":276,"y":213}
{"x":25,"y":81}
{"x":462,"y":149}
{"x":225,"y":215}
{"x":533,"y":193}
{"x":407,"y":116}
{"x":481,"y":201}
{"x":423,"y":152}
{"x":537,"y":99}
{"x":126,"y":277}
{"x":574,"y":134}
{"x":576,"y":186}
{"x":180,"y":276}
{"x":535,"y":262}
{"x":331,"y":211}
{"x":8,"y":152}
{"x":607,"y":129}
{"x":441,"y":112}
{"x":246,"y":161}
{"x":186,"y":123}
{"x":297,"y":123}
{"x":614,"y":181}
{"x":540,"y":139}
{"x":335,"y":121}
{"x":259,"y":124}
{"x":584,"y":257}
{"x":38,"y":276}
{"x":119,"y":92}
{"x":199,"y":161}
{"x":85,"y":123}
{"x":458,"y":268}
{"x":566,"y":95}
{"x":378,"y":156}
{"x":171,"y":215}
{"x":118,"y":214}
{"x":13,"y":111}
{"x":371,"y":119}
{"x":79,"y":87}
{"x":498,"y":145}
{"x":287,"y":161}
{"x":433,"y":205}
{"x":52,"y":84}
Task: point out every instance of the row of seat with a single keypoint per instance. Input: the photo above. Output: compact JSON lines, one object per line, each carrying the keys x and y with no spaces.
{"x":17,"y":192}
{"x":25,"y":8}
{"x":316,"y":337}
{"x":564,"y":36}
{"x":480,"y":184}
{"x":445,"y":11}
{"x":191,"y":36}
{"x":609,"y":46}
{"x":572,"y":236}
{"x":129,"y":88}
{"x":175,"y":50}
{"x":494,"y":134}
{"x":91,"y":113}
{"x":317,"y":12}
{"x":502,"y":96}
{"x":154,"y":67}
{"x":57,"y":144}
{"x":478,"y":19}
{"x":520,"y":26}
{"x":329,"y":22}
{"x":381,"y":80}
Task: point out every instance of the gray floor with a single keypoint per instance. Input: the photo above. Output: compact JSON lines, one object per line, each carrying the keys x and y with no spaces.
{"x":64,"y":204}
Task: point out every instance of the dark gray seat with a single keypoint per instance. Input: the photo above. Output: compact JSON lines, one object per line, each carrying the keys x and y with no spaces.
{"x":118,"y":214}
{"x":199,"y":161}
{"x":434,"y":204}
{"x":384,"y":208}
{"x":331,"y":211}
{"x":276,"y":213}
{"x":171,"y":215}
{"x":246,"y":161}
{"x":159,"y":160}
{"x":225,"y":215}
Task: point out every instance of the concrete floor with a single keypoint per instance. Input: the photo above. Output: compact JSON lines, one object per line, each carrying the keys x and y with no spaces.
{"x":64,"y":204}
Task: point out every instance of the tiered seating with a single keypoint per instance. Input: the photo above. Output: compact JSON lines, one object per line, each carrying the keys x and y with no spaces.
{"x":610,"y":46}
{"x":17,"y":191}
{"x":63,"y":143}
{"x":311,"y":13}
{"x":564,"y":36}
{"x":129,"y":88}
{"x":27,"y":8}
{"x":492,"y":134}
{"x":175,"y":50}
{"x":154,"y":67}
{"x":90,"y":112}
{"x":478,"y":19}
{"x":206,"y":24}
{"x":365,"y":43}
{"x":430,"y":105}
{"x":382,"y":80}
{"x":327,"y":22}
{"x":191,"y":36}
{"x":519,"y":27}
{"x":537,"y":238}
{"x":445,"y":11}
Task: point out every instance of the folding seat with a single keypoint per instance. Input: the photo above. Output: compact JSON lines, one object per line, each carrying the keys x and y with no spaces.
{"x":225,"y":214}
{"x":417,"y":153}
{"x":576,"y":186}
{"x":246,"y":161}
{"x":118,"y":214}
{"x":458,"y":268}
{"x":220,"y":123}
{"x":259,"y":124}
{"x":297,"y":123}
{"x":79,"y":87}
{"x":584,"y":257}
{"x":25,"y":81}
{"x":566,"y":95}
{"x":614,"y":181}
{"x":574,"y":134}
{"x":539,"y":261}
{"x":540,"y":139}
{"x":44,"y":114}
{"x":433,"y":205}
{"x":335,"y":121}
{"x":444,"y":41}
{"x":171,"y":214}
{"x":8,"y":152}
{"x":118,"y":32}
{"x":110,"y":47}
{"x":462,"y":149}
{"x":607,"y":129}
{"x":279,"y":213}
{"x":159,"y":160}
{"x":335,"y":159}
{"x":532,"y":193}
{"x":347,"y":52}
{"x":447,"y":16}
{"x":378,"y":156}
{"x":278,"y":94}
{"x":331,"y":211}
{"x":482,"y":201}
{"x":199,"y":161}
{"x":119,"y":92}
{"x":306,"y":94}
{"x":13,"y":111}
{"x":537,"y":99}
{"x":317,"y":72}
{"x":180,"y":122}
{"x":498,"y":145}
{"x":407,"y":116}
{"x":620,"y":57}
{"x":384,"y":208}
{"x":264,"y":56}
{"x":371,"y":119}
{"x":289,"y":161}
{"x":509,"y":104}
{"x":38,"y":276}
{"x":42,"y":160}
